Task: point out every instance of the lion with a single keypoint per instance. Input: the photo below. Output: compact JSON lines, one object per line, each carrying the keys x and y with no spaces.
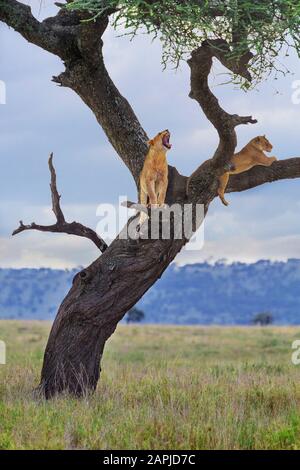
{"x":154,"y":175}
{"x":251,"y":155}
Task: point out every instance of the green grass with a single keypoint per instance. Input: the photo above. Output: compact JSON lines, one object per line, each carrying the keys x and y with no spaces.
{"x":162,"y":387}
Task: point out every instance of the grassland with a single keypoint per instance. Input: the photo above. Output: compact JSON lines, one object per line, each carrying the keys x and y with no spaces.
{"x":161,"y":388}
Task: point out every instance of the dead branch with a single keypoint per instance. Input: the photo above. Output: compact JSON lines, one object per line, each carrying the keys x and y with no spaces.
{"x":136,"y":206}
{"x":61,"y":226}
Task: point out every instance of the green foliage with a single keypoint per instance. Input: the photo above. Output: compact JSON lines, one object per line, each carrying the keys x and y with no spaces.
{"x":286,"y":436}
{"x":266,"y":27}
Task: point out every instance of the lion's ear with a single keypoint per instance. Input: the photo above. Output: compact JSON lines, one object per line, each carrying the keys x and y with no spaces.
{"x":257,"y":140}
{"x":150,"y":142}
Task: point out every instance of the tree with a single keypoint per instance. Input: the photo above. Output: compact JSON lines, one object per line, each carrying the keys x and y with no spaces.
{"x":246,"y":37}
{"x":263,"y":319}
{"x":135,"y":315}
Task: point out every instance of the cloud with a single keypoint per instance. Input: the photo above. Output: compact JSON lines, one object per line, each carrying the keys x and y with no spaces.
{"x":34,"y":250}
{"x":247,"y":249}
{"x":254,"y":226}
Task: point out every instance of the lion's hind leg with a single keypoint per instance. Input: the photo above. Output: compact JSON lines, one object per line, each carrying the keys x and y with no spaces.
{"x":223,"y":181}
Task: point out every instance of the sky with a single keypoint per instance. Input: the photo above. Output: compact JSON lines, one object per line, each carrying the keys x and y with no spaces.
{"x":39,"y":117}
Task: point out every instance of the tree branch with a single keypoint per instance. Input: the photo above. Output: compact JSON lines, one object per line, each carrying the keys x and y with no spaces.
{"x":61,"y":226}
{"x":54,"y":193}
{"x":50,"y":34}
{"x":222,"y":51}
{"x":136,"y":206}
{"x":282,"y":169}
{"x":202,"y":183}
{"x":200,"y":64}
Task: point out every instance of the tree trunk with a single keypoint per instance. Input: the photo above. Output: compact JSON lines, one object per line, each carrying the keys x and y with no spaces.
{"x":99,"y":298}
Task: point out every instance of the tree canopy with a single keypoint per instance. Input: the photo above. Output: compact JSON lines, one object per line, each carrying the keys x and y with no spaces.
{"x":266,"y":29}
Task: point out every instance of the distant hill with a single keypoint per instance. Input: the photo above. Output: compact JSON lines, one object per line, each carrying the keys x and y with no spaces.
{"x":198,"y":293}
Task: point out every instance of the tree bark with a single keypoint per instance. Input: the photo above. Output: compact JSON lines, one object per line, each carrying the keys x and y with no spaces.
{"x":98,"y":300}
{"x":102,"y":293}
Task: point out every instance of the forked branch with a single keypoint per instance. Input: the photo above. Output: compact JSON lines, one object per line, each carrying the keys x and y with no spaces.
{"x":61,"y":226}
{"x":200,"y":64}
{"x":48,"y":34}
{"x":202,"y":184}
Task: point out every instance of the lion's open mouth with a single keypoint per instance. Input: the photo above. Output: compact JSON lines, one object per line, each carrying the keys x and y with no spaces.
{"x":166,"y":141}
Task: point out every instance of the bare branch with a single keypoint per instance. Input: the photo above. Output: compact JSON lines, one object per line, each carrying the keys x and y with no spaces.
{"x":136,"y":206}
{"x":282,"y":169}
{"x":202,"y":184}
{"x":200,"y":64}
{"x":48,"y":34}
{"x":61,"y":226}
{"x":64,"y":34}
{"x":54,"y":193}
{"x":34,"y":226}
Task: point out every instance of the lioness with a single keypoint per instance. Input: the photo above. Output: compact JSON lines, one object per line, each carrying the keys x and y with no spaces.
{"x":154,"y":175}
{"x":251,"y":155}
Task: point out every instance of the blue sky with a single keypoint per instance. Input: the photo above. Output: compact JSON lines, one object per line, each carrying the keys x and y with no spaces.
{"x":40,"y":117}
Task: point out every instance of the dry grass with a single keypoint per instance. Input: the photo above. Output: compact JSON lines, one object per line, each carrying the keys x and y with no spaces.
{"x":161,"y":388}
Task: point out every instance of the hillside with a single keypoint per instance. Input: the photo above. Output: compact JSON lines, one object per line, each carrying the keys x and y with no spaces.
{"x":198,"y":293}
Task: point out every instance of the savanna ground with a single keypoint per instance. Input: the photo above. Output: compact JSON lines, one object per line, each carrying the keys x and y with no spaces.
{"x":162,"y":387}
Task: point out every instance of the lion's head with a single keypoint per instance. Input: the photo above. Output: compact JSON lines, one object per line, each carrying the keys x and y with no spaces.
{"x":161,"y":140}
{"x":262,"y":143}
